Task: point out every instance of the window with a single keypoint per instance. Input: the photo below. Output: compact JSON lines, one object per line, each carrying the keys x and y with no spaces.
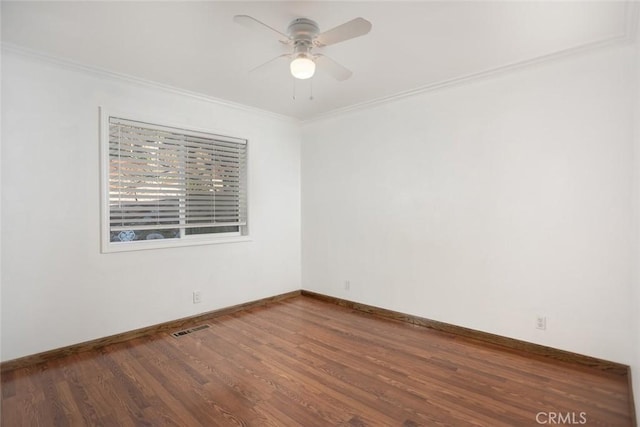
{"x":168,"y":186}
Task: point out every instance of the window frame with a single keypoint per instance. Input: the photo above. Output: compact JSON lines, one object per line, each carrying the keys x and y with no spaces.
{"x":107,"y":246}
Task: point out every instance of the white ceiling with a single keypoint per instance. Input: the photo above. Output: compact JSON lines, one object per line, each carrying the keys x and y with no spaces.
{"x":196,"y":46}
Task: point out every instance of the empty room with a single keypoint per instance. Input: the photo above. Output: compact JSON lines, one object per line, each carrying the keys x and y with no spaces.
{"x":317,"y":213}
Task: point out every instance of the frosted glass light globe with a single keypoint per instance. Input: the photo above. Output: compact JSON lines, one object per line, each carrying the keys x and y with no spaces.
{"x":302,"y":68}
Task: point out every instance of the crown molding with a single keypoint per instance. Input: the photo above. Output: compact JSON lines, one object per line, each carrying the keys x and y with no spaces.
{"x":629,"y":35}
{"x":121,"y":77}
{"x":473,"y":77}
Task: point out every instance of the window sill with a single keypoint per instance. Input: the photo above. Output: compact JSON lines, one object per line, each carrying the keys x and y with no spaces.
{"x":111,"y":247}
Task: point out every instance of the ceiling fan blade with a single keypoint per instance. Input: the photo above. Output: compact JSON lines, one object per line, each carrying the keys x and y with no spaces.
{"x":254,"y":24}
{"x":269,"y":62}
{"x":332,"y":68}
{"x":355,"y":28}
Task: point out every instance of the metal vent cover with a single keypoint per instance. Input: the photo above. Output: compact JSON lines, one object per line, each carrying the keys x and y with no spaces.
{"x":188,"y":331}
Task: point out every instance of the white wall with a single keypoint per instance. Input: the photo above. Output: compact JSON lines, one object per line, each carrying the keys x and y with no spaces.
{"x":1,"y":212}
{"x":484,"y":205}
{"x":635,"y":364}
{"x":57,"y":288}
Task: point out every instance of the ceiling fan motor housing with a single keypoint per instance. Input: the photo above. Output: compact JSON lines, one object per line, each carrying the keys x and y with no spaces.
{"x":303,"y":30}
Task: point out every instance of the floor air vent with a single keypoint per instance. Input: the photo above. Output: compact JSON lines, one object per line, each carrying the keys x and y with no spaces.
{"x":188,"y":331}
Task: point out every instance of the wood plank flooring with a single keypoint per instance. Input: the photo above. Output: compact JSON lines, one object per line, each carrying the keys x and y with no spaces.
{"x":304,"y":362}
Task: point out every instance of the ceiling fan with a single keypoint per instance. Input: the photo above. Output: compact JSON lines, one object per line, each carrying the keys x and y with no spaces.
{"x":303,"y":35}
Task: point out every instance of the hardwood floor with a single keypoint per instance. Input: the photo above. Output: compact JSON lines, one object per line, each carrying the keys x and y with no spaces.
{"x":305,"y":362}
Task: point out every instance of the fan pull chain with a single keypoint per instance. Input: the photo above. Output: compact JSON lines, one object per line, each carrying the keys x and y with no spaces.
{"x":295,"y":87}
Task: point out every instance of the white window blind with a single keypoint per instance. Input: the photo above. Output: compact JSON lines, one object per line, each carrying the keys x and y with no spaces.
{"x":168,"y":183}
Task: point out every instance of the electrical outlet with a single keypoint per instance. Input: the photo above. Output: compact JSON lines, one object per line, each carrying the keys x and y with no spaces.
{"x":197,"y":297}
{"x":347,"y":285}
{"x":541,"y":323}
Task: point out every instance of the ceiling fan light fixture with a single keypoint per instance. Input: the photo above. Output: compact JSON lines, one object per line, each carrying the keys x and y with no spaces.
{"x":302,"y":67}
{"x":303,"y":35}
